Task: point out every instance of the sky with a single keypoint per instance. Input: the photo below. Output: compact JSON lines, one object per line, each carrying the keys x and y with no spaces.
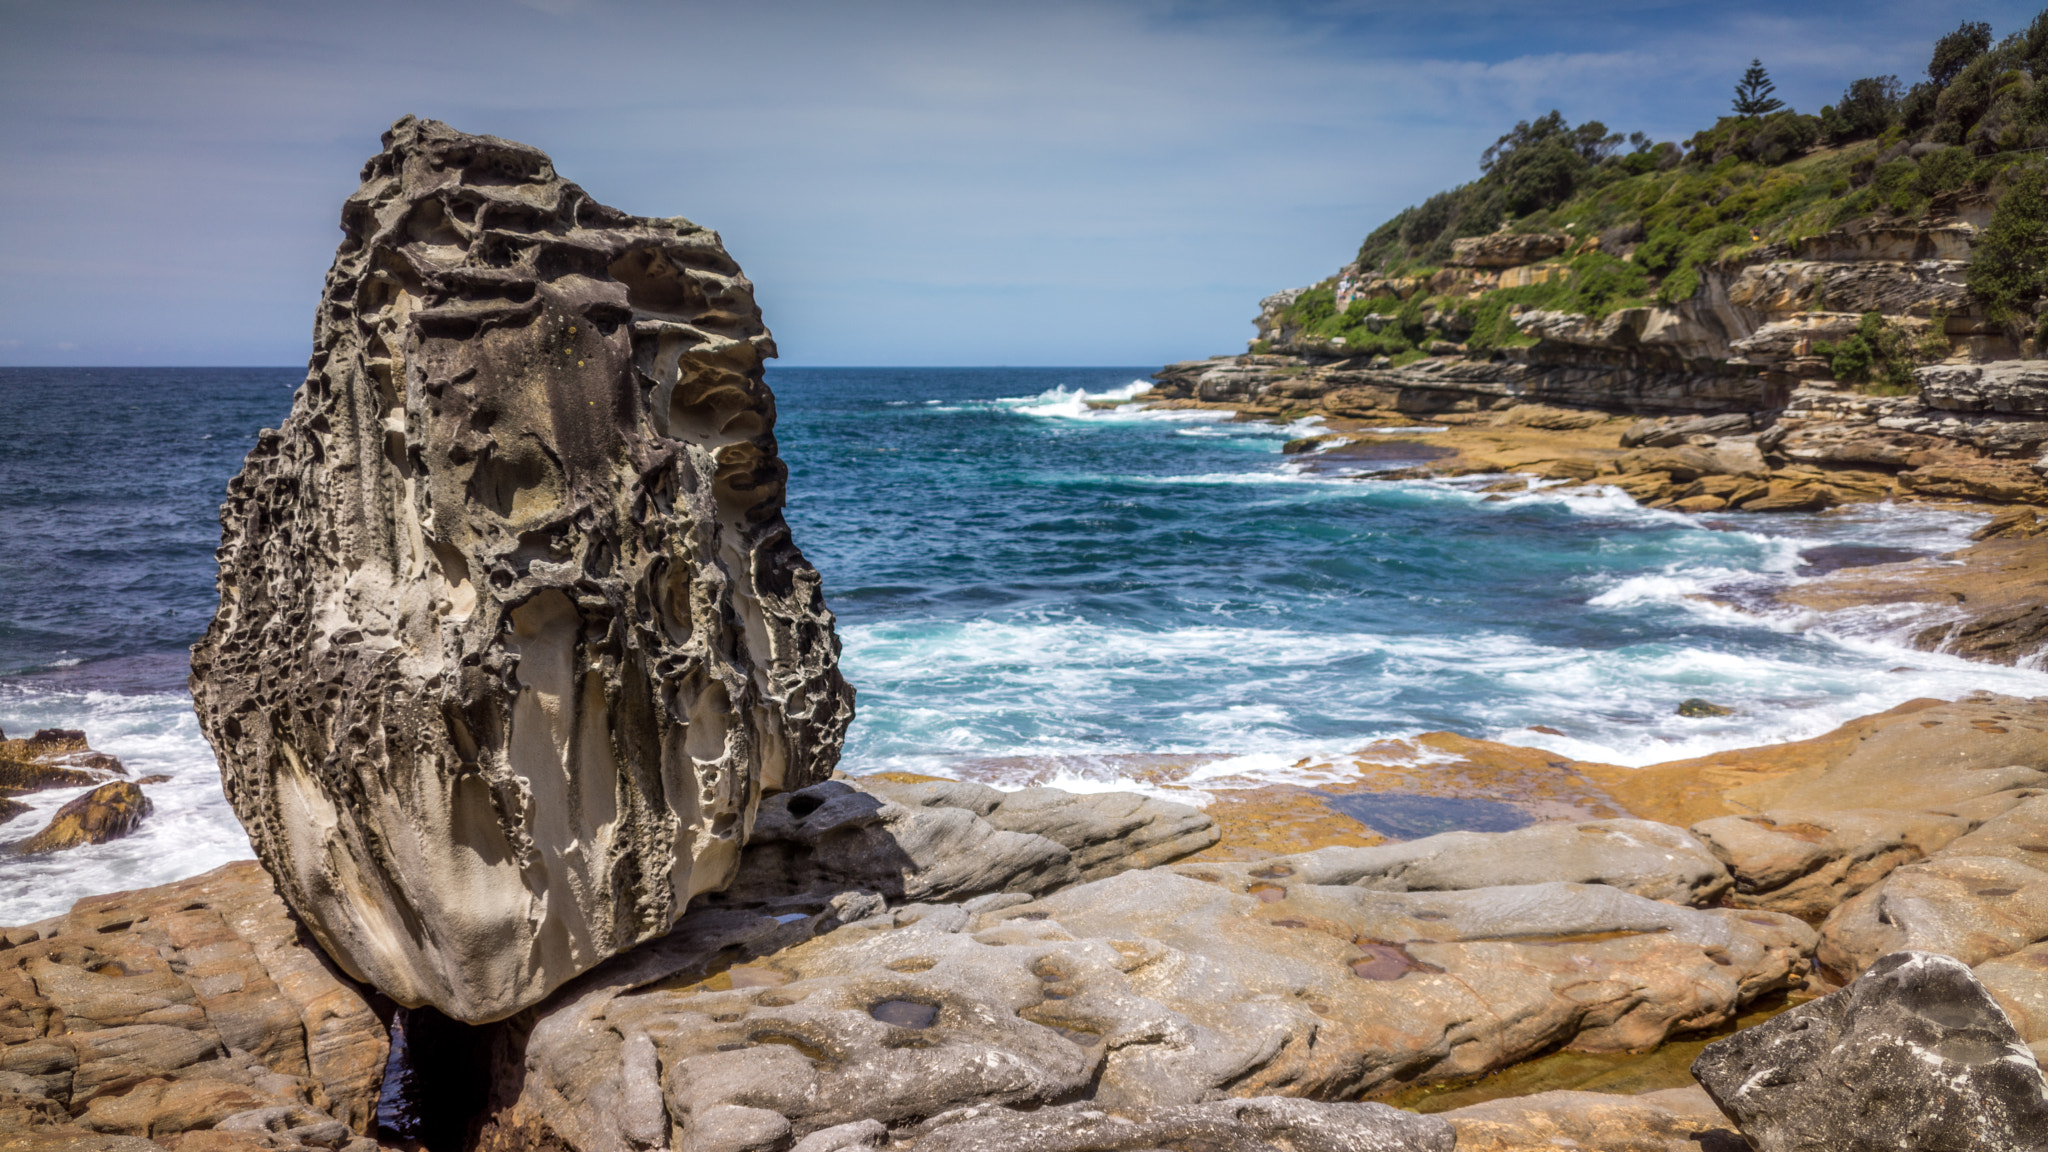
{"x":907,"y":183}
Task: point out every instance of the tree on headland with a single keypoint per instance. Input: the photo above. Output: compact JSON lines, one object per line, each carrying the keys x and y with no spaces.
{"x":1953,"y":52}
{"x":1541,"y":162}
{"x":1753,"y":93}
{"x":2010,"y":267}
{"x":1866,"y":109}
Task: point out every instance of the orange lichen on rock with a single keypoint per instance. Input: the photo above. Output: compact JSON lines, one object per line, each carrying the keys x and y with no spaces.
{"x":1545,"y":784}
{"x":1279,"y":820}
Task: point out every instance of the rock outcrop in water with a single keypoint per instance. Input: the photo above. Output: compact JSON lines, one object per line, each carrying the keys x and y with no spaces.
{"x":512,"y":634}
{"x":108,"y":812}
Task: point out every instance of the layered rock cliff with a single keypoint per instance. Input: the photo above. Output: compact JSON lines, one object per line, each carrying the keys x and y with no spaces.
{"x":512,"y":635}
{"x":1743,"y":341}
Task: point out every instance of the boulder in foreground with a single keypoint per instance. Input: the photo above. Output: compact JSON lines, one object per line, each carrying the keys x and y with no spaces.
{"x":512,"y":635}
{"x":1915,"y":1056}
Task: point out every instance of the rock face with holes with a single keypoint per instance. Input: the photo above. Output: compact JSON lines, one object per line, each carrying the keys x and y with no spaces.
{"x":512,"y":634}
{"x":1914,"y":1054}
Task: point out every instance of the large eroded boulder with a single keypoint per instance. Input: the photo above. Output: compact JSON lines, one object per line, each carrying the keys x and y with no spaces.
{"x":512,"y":635}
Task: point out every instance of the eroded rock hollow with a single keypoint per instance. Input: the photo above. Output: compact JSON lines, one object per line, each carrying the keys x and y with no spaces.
{"x":512,"y":635}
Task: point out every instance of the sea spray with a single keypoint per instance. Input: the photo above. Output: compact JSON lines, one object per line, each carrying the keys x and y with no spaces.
{"x":1038,"y":581}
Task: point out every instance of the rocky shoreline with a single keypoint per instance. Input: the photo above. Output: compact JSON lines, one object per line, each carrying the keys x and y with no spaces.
{"x":531,"y":707}
{"x":1838,"y":451}
{"x":939,"y":965}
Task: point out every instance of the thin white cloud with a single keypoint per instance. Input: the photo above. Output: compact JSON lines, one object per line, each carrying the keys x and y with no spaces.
{"x":1123,"y":180}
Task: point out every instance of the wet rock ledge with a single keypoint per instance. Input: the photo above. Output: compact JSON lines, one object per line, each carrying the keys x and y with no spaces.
{"x":58,"y":758}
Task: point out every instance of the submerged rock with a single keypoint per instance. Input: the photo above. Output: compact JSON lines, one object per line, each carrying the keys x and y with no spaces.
{"x":512,"y":634}
{"x":108,"y":812}
{"x":1914,"y":1055}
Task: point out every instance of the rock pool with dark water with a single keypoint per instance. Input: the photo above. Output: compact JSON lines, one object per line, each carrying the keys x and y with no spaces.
{"x":1034,"y":580}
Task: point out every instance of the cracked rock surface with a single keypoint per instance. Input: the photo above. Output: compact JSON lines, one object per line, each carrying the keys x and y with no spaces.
{"x":512,"y":633}
{"x":1638,"y":856}
{"x":1263,"y":1124}
{"x":191,"y":1007}
{"x":1142,"y":993}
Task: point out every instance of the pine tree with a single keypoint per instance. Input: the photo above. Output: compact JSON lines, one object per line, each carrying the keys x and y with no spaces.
{"x":1753,"y":94}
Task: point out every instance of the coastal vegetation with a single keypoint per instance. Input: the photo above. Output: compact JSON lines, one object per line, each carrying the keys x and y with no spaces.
{"x":1641,"y":218}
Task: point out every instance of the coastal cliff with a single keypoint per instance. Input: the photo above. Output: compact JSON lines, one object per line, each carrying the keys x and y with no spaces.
{"x":1785,"y":314}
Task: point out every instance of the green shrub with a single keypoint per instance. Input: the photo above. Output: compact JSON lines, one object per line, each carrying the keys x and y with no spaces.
{"x":2011,"y":259}
{"x":1879,"y":354}
{"x":1680,"y":285}
{"x":1661,"y":253}
{"x":1313,"y":306}
{"x":1944,"y":171}
{"x":1600,"y":284}
{"x":1771,"y":139}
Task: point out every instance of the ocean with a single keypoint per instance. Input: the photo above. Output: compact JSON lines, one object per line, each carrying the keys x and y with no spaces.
{"x":1034,"y":580}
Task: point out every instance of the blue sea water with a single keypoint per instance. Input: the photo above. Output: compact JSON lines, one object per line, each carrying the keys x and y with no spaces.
{"x":1034,"y":579}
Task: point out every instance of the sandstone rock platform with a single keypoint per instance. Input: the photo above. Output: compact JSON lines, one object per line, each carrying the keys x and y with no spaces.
{"x":193,"y":1007}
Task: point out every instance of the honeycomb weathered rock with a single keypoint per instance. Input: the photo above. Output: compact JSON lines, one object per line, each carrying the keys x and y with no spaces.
{"x":512,"y":634}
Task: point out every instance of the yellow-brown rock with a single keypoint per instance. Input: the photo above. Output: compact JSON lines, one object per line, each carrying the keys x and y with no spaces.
{"x":52,"y":758}
{"x":1923,"y":754}
{"x":1673,"y":1120}
{"x":171,"y":1009}
{"x":108,"y":812}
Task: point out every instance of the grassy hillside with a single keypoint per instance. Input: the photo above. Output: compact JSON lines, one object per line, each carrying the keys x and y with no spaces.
{"x":1644,"y":216}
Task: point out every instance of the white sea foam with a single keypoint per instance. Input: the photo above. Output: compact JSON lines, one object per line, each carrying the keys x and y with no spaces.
{"x":191,"y":830}
{"x":1074,"y":403}
{"x":1065,"y":687}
